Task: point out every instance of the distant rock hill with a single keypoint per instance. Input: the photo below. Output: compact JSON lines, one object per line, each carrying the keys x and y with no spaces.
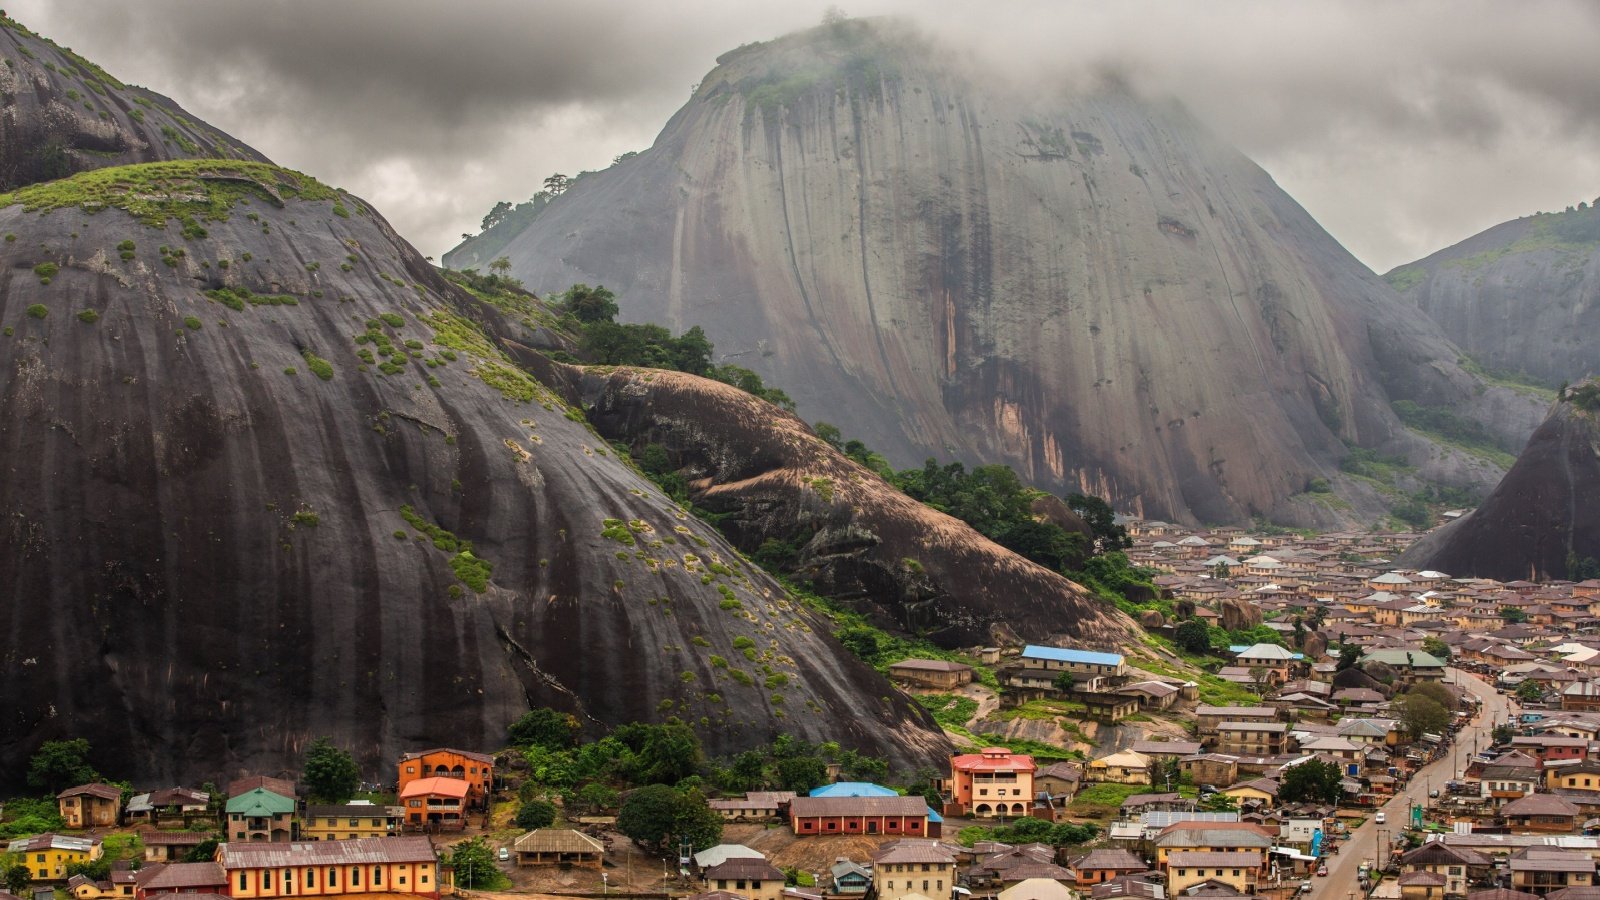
{"x":1543,"y":516}
{"x":1086,"y":286}
{"x":267,"y":476}
{"x":1522,"y":297}
{"x":61,"y":114}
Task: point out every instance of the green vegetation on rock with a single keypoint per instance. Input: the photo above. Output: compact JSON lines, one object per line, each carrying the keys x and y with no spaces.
{"x":177,"y":190}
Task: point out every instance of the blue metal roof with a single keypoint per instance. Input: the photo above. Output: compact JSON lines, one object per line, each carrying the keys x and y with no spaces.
{"x":1062,"y":654}
{"x":854,"y":789}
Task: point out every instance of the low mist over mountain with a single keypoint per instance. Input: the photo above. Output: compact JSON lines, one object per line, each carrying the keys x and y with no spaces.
{"x":1088,"y":287}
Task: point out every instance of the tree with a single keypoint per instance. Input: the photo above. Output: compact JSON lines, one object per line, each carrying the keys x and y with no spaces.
{"x":591,"y":304}
{"x":1192,"y":636}
{"x":1436,"y":647}
{"x":546,"y":728}
{"x":1436,"y":692}
{"x":17,"y":878}
{"x":205,"y":851}
{"x":1529,"y":691}
{"x":1108,"y":535}
{"x":501,"y":266}
{"x":1064,"y":683}
{"x":656,"y":817}
{"x":496,"y":215}
{"x":1421,"y":714}
{"x":557,"y":184}
{"x":59,"y":765}
{"x":536,"y":814}
{"x":1313,"y":781}
{"x":1503,"y":734}
{"x":474,"y":863}
{"x":830,"y":434}
{"x":801,"y":773}
{"x":595,"y":798}
{"x":1349,"y":655}
{"x":331,"y":774}
{"x":92,"y":869}
{"x":691,"y":352}
{"x":670,"y":752}
{"x":1513,"y":615}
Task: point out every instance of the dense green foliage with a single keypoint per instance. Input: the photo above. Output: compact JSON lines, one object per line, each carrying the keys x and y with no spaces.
{"x":1421,"y":714}
{"x":658,"y":817}
{"x":1192,"y":636}
{"x":1027,"y":830}
{"x":1313,"y":781}
{"x":536,"y":813}
{"x":31,"y":815}
{"x":58,"y":765}
{"x":474,"y":864}
{"x":330,"y":773}
{"x":546,"y":728}
{"x":182,"y":190}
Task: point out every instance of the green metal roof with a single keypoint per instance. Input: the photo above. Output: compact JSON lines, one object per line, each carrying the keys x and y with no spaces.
{"x":260,"y":802}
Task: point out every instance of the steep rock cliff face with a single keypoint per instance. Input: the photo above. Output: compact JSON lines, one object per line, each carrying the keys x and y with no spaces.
{"x":1523,"y":296}
{"x":237,"y":520}
{"x":1540,"y":513}
{"x":60,"y":114}
{"x":860,"y":541}
{"x":1087,"y":287}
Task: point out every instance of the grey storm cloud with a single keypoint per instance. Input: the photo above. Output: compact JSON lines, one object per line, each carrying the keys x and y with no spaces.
{"x":1402,"y":126}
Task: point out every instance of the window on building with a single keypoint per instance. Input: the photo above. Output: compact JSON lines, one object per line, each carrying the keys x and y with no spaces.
{"x":243,"y":876}
{"x":333,"y":877}
{"x":355,"y":876}
{"x":311,"y":878}
{"x":377,"y":874}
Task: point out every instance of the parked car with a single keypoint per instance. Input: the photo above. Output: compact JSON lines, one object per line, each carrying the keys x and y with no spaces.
{"x":505,"y":853}
{"x":1380,"y":818}
{"x":1434,"y":793}
{"x":1322,"y":871}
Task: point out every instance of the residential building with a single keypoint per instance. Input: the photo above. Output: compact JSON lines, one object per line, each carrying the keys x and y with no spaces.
{"x":1456,"y":865}
{"x":350,"y":821}
{"x":1422,"y":886}
{"x":753,"y":879}
{"x":992,"y":782}
{"x":939,"y":674}
{"x":1254,"y":738}
{"x":1581,"y":776}
{"x":1213,"y":837}
{"x":46,"y":855}
{"x":183,"y":804}
{"x":904,"y":868}
{"x":1541,"y":870}
{"x":1085,"y":663}
{"x":1059,"y":781}
{"x":389,"y":865}
{"x":476,"y":769}
{"x":756,"y":806}
{"x":92,"y":805}
{"x":260,"y":815}
{"x":181,"y":878}
{"x":438,"y":803}
{"x":859,"y":815}
{"x":1207,"y":718}
{"x":1541,"y":814}
{"x":850,"y":877}
{"x":1123,"y":767}
{"x":170,"y":846}
{"x":1411,"y":666}
{"x":1101,"y":866}
{"x":1238,"y":869}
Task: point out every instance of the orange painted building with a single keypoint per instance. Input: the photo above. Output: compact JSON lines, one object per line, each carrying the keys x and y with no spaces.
{"x":992,"y":782}
{"x":435,"y":802}
{"x":387,"y":865}
{"x":476,"y":769}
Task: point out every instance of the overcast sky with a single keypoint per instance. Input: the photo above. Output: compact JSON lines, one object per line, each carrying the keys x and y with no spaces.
{"x":1402,"y":126}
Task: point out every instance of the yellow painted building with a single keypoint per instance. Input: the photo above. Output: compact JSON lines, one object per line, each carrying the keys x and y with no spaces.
{"x":350,"y":822}
{"x":47,"y":855}
{"x":1238,"y":869}
{"x":387,"y":865}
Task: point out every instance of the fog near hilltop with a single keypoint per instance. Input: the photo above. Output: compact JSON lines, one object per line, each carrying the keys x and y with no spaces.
{"x":1402,"y":126}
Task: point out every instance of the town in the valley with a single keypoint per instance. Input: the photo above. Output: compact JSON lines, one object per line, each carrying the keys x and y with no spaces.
{"x":1302,"y":718}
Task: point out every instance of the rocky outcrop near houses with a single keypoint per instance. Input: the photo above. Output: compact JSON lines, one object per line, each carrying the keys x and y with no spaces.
{"x":1082,"y":283}
{"x":856,"y":539}
{"x":1541,"y":515}
{"x":266,"y":476}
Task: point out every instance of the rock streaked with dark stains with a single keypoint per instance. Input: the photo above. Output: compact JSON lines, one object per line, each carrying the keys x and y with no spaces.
{"x":199,"y":549}
{"x":1523,"y":296}
{"x":1544,"y":509}
{"x":863,"y":542}
{"x":61,"y":114}
{"x":1090,"y":288}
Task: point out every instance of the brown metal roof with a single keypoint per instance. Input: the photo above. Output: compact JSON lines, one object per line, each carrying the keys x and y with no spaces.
{"x":930,"y":665}
{"x":187,"y":875}
{"x":1226,"y":858}
{"x":93,"y":789}
{"x":806,"y":807}
{"x":480,"y":757}
{"x":913,"y":851}
{"x":325,"y":853}
{"x":747,"y":868}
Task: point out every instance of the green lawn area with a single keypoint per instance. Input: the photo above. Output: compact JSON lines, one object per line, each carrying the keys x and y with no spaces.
{"x":1104,"y":800}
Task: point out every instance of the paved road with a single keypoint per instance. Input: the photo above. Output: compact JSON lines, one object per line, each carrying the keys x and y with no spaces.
{"x":1370,"y":838}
